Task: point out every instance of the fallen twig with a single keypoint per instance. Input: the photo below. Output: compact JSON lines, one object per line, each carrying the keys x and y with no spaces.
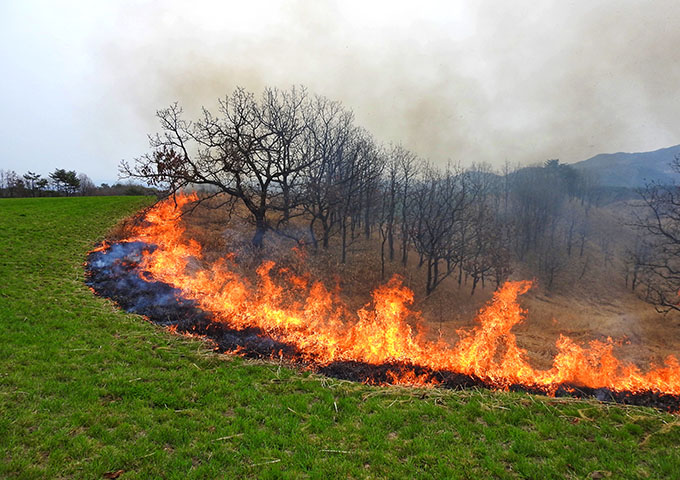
{"x":277,"y":460}
{"x":228,"y":437}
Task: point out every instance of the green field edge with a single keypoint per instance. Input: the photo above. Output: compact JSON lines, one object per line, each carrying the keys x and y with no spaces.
{"x":88,"y":390}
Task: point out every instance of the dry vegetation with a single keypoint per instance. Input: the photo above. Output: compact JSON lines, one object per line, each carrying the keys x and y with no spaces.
{"x":588,"y":301}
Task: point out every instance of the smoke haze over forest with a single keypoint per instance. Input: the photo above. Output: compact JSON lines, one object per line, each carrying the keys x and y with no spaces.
{"x":468,"y":81}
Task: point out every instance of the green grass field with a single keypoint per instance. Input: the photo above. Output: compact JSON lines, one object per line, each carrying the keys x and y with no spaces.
{"x":87,"y":390}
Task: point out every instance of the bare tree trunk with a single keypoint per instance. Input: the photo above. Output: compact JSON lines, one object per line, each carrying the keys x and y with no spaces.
{"x":570,"y":236}
{"x":326,"y":232}
{"x":260,"y":230}
{"x":404,"y":250}
{"x":344,"y":239}
{"x":435,"y":274}
{"x":390,"y":240}
{"x":315,"y":243}
{"x":585,"y":268}
{"x":367,"y":217}
{"x":475,"y":280}
{"x":382,"y":256}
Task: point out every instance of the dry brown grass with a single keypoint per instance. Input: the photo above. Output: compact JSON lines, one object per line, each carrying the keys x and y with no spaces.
{"x":594,"y":306}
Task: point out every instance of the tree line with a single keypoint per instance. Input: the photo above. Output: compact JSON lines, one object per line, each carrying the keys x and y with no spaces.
{"x":302,"y":168}
{"x":292,"y":159}
{"x":62,"y":182}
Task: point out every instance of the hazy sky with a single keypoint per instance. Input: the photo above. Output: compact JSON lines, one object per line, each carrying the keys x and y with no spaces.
{"x":485,"y":81}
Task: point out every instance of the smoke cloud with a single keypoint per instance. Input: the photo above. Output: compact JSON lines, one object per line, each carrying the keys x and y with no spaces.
{"x":483,"y":81}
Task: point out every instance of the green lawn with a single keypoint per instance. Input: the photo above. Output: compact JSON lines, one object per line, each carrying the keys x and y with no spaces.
{"x":87,"y":390}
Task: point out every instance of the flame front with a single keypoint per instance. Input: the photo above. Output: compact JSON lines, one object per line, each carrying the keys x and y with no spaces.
{"x":324,"y":330}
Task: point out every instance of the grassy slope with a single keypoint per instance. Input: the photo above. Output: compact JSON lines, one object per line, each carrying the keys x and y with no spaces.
{"x":86,"y":389}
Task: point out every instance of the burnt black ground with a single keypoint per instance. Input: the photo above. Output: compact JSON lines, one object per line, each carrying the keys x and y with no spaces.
{"x":114,"y":273}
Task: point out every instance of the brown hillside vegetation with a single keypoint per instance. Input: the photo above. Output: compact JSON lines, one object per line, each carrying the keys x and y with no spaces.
{"x":589,"y":299}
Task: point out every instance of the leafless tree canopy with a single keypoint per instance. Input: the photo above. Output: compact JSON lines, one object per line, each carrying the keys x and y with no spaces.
{"x":654,"y":260}
{"x":301,"y":167}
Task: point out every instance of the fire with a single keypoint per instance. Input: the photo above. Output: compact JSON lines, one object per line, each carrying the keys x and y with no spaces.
{"x":317,"y":323}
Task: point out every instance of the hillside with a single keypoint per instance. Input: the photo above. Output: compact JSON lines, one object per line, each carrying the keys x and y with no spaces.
{"x":589,"y":301}
{"x":87,"y":391}
{"x":631,"y":170}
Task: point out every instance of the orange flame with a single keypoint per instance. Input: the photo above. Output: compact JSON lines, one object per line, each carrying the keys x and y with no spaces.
{"x":325,"y":331}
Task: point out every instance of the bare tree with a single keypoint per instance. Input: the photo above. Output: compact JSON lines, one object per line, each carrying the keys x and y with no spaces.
{"x":12,"y":184}
{"x":251,"y":151}
{"x":443,"y":200}
{"x":363,"y":169}
{"x":660,"y":264}
{"x":86,"y":186}
{"x":634,"y":261}
{"x":389,"y":197}
{"x":407,"y":169}
{"x":331,"y":174}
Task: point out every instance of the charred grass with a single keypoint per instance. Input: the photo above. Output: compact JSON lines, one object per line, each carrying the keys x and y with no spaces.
{"x":88,"y":391}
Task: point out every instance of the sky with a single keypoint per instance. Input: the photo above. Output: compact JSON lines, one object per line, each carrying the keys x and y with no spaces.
{"x":467,"y":81}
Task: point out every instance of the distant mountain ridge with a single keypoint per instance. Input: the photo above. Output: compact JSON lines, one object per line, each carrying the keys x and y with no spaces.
{"x":632,"y":170}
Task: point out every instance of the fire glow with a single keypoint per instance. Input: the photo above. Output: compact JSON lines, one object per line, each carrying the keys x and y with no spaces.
{"x":303,"y":313}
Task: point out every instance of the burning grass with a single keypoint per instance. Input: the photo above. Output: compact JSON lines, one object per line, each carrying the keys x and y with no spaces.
{"x":86,"y":389}
{"x":290,"y":314}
